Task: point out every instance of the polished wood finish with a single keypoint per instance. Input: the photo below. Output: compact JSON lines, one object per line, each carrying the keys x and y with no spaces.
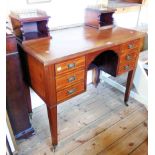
{"x":128,"y":57}
{"x":132,"y":49}
{"x":30,"y":24}
{"x":70,"y":65}
{"x":70,"y":76}
{"x":52,"y":115}
{"x":99,"y":18}
{"x":77,"y":48}
{"x":126,"y":67}
{"x":69,"y":79}
{"x":70,"y":92}
{"x":50,"y":100}
{"x":18,"y":103}
{"x":88,"y":40}
{"x":36,"y":72}
{"x":130,"y":45}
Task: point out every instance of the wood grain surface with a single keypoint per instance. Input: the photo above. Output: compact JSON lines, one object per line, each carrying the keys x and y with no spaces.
{"x":73,"y":42}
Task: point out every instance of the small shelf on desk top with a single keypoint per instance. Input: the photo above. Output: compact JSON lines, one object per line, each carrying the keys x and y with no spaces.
{"x":32,"y":35}
{"x":30,"y":24}
{"x":30,"y":15}
{"x":101,"y":9}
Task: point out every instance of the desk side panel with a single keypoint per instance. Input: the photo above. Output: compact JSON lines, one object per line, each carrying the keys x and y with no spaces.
{"x":36,"y":73}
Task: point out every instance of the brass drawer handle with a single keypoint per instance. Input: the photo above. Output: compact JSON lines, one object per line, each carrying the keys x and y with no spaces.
{"x":72,"y":65}
{"x":69,"y":92}
{"x":128,"y":57}
{"x":72,"y":78}
{"x":130,"y":46}
{"x":126,"y":67}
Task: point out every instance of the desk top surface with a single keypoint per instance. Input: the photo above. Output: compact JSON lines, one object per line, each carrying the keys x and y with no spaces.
{"x":73,"y":42}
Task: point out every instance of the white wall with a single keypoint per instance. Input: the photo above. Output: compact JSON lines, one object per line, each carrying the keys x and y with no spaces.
{"x":62,"y":12}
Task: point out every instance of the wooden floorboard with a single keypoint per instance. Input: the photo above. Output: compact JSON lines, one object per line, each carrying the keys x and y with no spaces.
{"x":104,"y":139}
{"x":95,"y":122}
{"x":128,"y":142}
{"x":142,"y":149}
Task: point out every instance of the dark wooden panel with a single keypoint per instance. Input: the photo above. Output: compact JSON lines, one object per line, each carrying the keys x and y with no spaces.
{"x":11,"y":44}
{"x":17,"y":92}
{"x":17,"y":99}
{"x":107,"y":61}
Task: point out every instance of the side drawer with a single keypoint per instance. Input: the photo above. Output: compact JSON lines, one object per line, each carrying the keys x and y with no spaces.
{"x":134,"y":44}
{"x":69,"y":65}
{"x":126,"y":67}
{"x":69,"y":79}
{"x":128,"y":57}
{"x":70,"y":92}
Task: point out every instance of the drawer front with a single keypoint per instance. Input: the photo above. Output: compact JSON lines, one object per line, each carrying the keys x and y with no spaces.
{"x":129,"y":57}
{"x":126,"y":67}
{"x":69,"y":65}
{"x":69,"y":79}
{"x":134,"y":44}
{"x":70,"y":92}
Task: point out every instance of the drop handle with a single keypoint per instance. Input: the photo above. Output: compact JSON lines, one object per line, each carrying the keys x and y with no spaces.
{"x":126,"y":67}
{"x":130,"y":46}
{"x":72,"y":78}
{"x":128,"y":57}
{"x":72,"y":65}
{"x":69,"y":92}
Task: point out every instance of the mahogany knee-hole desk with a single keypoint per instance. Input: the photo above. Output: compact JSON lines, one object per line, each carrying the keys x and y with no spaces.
{"x":57,"y":67}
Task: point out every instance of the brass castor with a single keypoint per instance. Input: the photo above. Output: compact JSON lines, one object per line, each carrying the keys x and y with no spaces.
{"x":53,"y":148}
{"x":126,"y":103}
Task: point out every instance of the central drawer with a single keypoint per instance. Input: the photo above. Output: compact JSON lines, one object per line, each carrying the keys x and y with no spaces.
{"x":70,"y":91}
{"x":69,"y":79}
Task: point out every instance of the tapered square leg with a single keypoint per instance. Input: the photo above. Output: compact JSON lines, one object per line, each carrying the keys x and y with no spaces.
{"x":52,"y":115}
{"x":128,"y":86}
